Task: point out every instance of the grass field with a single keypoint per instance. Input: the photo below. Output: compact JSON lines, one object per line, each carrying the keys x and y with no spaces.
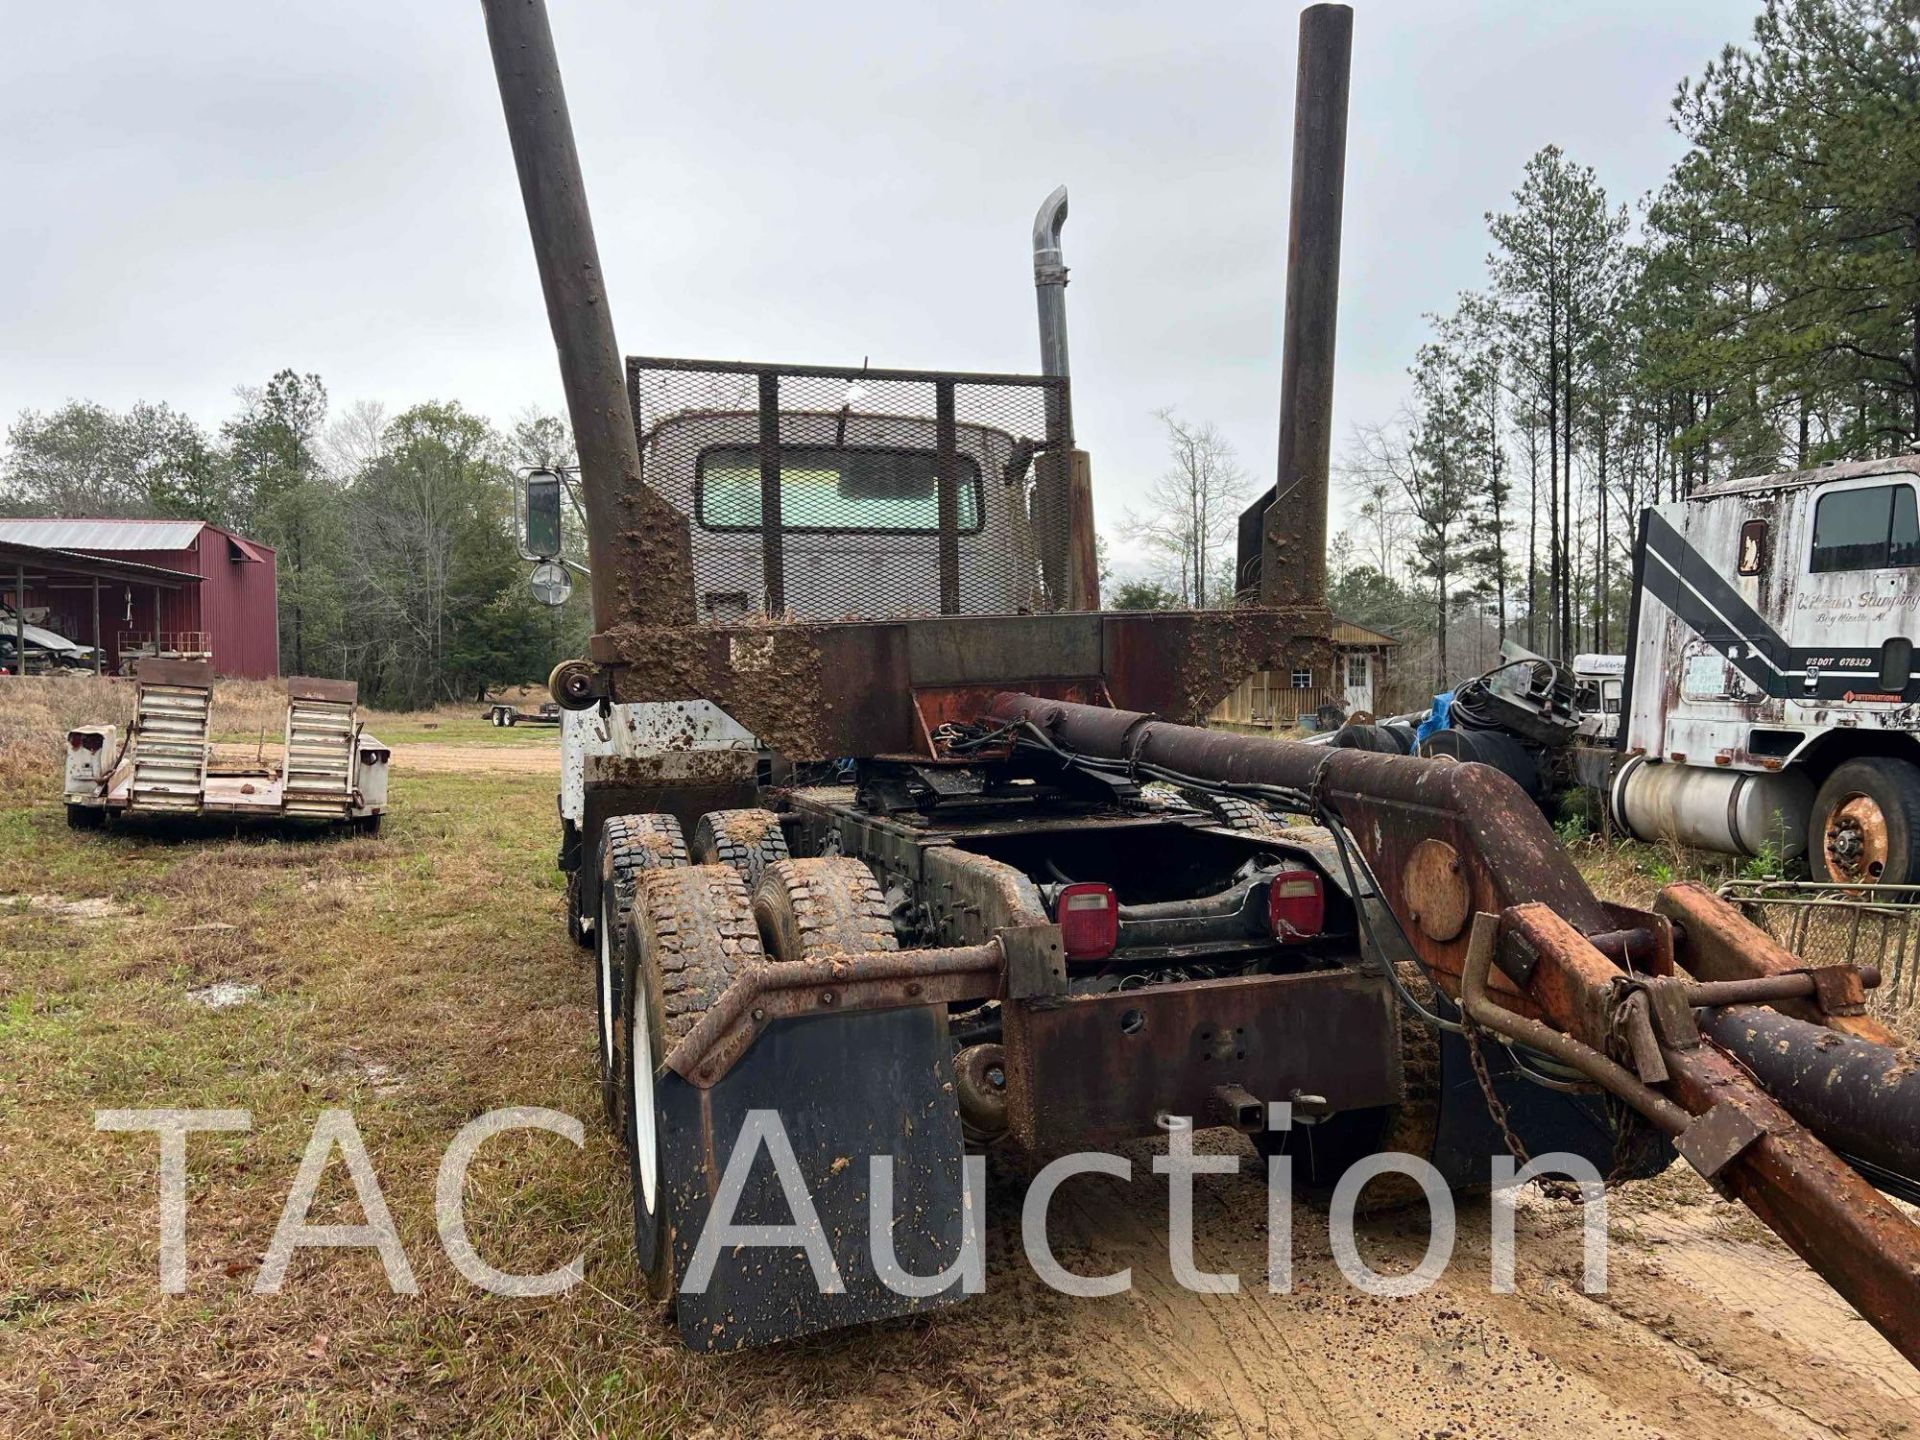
{"x":418,"y":979}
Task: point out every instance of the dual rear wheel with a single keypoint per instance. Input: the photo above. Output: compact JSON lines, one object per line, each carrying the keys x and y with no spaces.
{"x":630,"y":846}
{"x":671,"y":938}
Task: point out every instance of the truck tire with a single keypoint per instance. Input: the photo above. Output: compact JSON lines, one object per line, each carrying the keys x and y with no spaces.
{"x":1492,"y":748}
{"x":1322,"y":1152}
{"x":748,"y":840}
{"x":830,"y":905}
{"x":1377,"y":739}
{"x":1232,"y":812}
{"x":1865,"y":828}
{"x":86,"y":817}
{"x":692,"y":930}
{"x":630,"y":845}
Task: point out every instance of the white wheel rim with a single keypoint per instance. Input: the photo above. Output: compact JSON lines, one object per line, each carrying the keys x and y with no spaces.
{"x":640,"y":1043}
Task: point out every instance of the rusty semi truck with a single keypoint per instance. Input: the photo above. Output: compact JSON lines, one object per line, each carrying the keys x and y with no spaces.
{"x":1768,"y":704}
{"x":955,"y":874}
{"x":1772,"y":700}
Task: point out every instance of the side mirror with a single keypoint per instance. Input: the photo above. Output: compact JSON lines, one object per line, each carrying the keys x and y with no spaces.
{"x":543,"y":502}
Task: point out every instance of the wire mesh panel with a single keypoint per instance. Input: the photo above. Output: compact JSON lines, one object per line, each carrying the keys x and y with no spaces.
{"x":823,"y":493}
{"x":1842,"y":925}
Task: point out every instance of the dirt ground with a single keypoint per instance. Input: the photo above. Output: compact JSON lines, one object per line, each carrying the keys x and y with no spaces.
{"x":1709,"y":1327}
{"x":529,"y":757}
{"x":424,"y":977}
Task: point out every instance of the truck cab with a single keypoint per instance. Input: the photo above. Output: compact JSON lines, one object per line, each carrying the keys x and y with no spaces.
{"x":1773,"y":651}
{"x":859,"y":504}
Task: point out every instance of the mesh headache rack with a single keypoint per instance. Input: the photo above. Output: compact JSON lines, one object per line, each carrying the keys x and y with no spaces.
{"x":829,"y":493}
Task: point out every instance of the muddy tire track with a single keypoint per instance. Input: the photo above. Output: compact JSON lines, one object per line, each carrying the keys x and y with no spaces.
{"x":1709,"y":1327}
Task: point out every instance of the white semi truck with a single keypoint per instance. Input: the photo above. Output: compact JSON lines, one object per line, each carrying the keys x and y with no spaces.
{"x":1772,"y":705}
{"x":1767,"y":704}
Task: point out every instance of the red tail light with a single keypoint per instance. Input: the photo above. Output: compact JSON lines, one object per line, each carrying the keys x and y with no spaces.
{"x":85,"y":740}
{"x":1089,"y":917}
{"x":1296,"y":905}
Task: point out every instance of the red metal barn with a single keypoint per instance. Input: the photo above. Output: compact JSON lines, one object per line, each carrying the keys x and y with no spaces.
{"x":219,"y":600}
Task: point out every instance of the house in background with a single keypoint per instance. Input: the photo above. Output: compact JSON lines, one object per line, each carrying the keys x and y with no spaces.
{"x":180,"y":588}
{"x":1268,"y":699}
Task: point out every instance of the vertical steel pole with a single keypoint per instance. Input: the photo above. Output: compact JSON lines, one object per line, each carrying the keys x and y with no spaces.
{"x":97,"y":648}
{"x":947,"y":482}
{"x":655,"y":584}
{"x":1050,"y":283}
{"x":773,"y":535}
{"x":1066,"y":536}
{"x":1293,"y":551}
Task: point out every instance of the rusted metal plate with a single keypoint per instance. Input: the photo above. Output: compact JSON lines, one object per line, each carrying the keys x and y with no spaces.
{"x":1716,"y":1139}
{"x":820,"y":690}
{"x":155,"y":671}
{"x":335,"y":692}
{"x":1091,"y":1069}
{"x":1179,"y":664}
{"x":983,"y":649}
{"x":1434,"y":891}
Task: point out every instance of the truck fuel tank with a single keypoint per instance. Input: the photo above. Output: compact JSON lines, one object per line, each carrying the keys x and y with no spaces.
{"x":1733,"y":811}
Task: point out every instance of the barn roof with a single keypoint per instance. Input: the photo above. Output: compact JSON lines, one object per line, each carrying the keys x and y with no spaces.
{"x":41,"y":561}
{"x":103,"y":534}
{"x":1347,"y":632}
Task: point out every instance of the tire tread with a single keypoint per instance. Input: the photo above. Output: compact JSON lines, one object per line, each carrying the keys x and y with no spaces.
{"x":828,"y":905}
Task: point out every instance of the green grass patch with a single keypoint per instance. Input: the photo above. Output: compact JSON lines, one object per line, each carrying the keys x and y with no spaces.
{"x":418,"y":980}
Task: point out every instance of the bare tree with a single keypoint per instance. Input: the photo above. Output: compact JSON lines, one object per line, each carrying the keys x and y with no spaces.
{"x":541,"y":440}
{"x":1196,"y":504}
{"x":355,"y":439}
{"x":1384,"y":524}
{"x":1432,"y":454}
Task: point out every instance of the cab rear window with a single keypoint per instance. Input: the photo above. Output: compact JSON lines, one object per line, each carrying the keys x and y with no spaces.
{"x":1868,"y":529}
{"x":831,"y":488}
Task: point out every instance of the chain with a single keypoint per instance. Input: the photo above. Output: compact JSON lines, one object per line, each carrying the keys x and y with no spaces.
{"x":1622,"y":1125}
{"x":1496,"y":1107}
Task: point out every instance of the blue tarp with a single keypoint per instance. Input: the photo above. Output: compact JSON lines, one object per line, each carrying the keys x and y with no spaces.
{"x":1436,"y":718}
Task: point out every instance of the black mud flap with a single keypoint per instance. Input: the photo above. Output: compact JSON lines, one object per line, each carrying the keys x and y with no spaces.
{"x":1467,"y":1139}
{"x":846,"y":1087}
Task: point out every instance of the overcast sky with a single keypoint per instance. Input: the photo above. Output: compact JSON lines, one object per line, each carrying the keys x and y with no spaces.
{"x":205,"y":191}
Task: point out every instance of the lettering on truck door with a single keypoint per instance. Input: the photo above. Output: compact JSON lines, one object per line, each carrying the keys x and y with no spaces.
{"x":1853,"y":608}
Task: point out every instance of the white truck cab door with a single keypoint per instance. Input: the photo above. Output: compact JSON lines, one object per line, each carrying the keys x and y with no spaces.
{"x":1851,"y":618}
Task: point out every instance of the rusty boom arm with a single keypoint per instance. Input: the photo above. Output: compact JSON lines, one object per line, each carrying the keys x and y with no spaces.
{"x":1494,"y":910}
